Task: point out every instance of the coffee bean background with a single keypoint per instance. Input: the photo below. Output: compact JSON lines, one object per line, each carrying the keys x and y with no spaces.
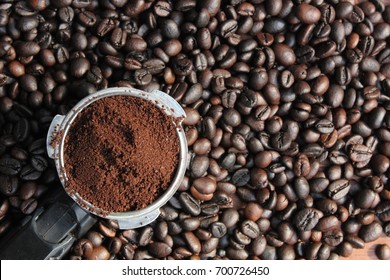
{"x":287,"y":105}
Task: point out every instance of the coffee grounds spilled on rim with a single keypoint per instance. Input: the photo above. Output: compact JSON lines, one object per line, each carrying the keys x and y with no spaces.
{"x":121,"y":153}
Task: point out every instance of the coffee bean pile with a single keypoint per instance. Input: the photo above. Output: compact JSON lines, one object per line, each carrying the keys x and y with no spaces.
{"x":287,"y":105}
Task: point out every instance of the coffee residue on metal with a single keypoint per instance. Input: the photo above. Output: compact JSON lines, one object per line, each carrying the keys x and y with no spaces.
{"x":121,"y":153}
{"x":56,"y":136}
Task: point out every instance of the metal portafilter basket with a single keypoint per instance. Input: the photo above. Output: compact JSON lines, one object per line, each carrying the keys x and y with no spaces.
{"x":55,"y":143}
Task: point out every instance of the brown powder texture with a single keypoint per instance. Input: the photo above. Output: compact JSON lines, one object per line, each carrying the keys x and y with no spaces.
{"x":121,"y":153}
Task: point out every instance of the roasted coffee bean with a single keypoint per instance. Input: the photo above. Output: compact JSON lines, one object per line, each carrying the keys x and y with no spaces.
{"x":115,"y":245}
{"x":258,"y":178}
{"x":318,"y":184}
{"x":229,"y":217}
{"x":274,"y":25}
{"x":28,"y":190}
{"x":370,"y":232}
{"x":360,"y":153}
{"x":355,"y":241}
{"x":365,"y":198}
{"x":9,"y":166}
{"x":250,"y":228}
{"x":241,"y":238}
{"x":159,"y":249}
{"x":29,"y":173}
{"x":162,"y":8}
{"x":161,"y":230}
{"x":190,"y":224}
{"x":27,"y":49}
{"x":338,"y":189}
{"x":301,"y":187}
{"x":262,"y":112}
{"x":306,"y":219}
{"x":382,"y":251}
{"x":333,"y":237}
{"x":258,"y":245}
{"x":286,"y":252}
{"x":284,"y":55}
{"x":281,"y":141}
{"x":210,"y":209}
{"x":366,"y":218}
{"x":351,"y":226}
{"x":308,"y":14}
{"x":345,"y":249}
{"x":199,"y":166}
{"x":241,"y":177}
{"x":39,"y":163}
{"x":218,"y":229}
{"x":142,"y":77}
{"x":205,"y":185}
{"x":210,"y":245}
{"x":182,"y":66}
{"x":317,"y":250}
{"x":154,"y":65}
{"x":228,"y":28}
{"x":28,"y":206}
{"x":302,"y":165}
{"x":95,"y":238}
{"x":190,"y":204}
{"x":253,"y":211}
{"x":79,"y":67}
{"x":269,"y":253}
{"x":145,"y":236}
{"x":194,"y":93}
{"x":263,"y":159}
{"x":66,"y":14}
{"x":192,"y":242}
{"x":105,"y":230}
{"x":105,"y":26}
{"x":83,"y":247}
{"x":383,"y":211}
{"x":237,"y":254}
{"x":327,"y":223}
{"x":131,"y":254}
{"x":325,"y":49}
{"x":354,"y":55}
{"x":229,"y":98}
{"x":231,"y":117}
{"x":170,"y":29}
{"x":8,"y":184}
{"x":79,"y":41}
{"x":305,"y":54}
{"x":286,"y":79}
{"x":21,"y":130}
{"x":87,"y":18}
{"x":366,"y":45}
{"x":386,"y":229}
{"x":357,"y":15}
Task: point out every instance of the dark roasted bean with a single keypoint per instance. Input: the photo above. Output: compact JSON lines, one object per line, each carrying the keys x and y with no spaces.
{"x":338,"y":189}
{"x":306,"y":219}
{"x":370,"y":232}
{"x":383,"y":252}
{"x":9,"y":166}
{"x":190,"y":204}
{"x":159,"y":249}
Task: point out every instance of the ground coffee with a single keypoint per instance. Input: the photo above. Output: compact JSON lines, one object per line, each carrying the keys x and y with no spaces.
{"x":121,"y":153}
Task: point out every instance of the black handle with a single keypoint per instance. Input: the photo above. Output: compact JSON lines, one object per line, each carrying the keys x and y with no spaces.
{"x":49,"y":232}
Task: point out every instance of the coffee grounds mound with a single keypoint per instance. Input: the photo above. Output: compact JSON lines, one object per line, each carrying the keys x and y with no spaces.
{"x":121,"y":153}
